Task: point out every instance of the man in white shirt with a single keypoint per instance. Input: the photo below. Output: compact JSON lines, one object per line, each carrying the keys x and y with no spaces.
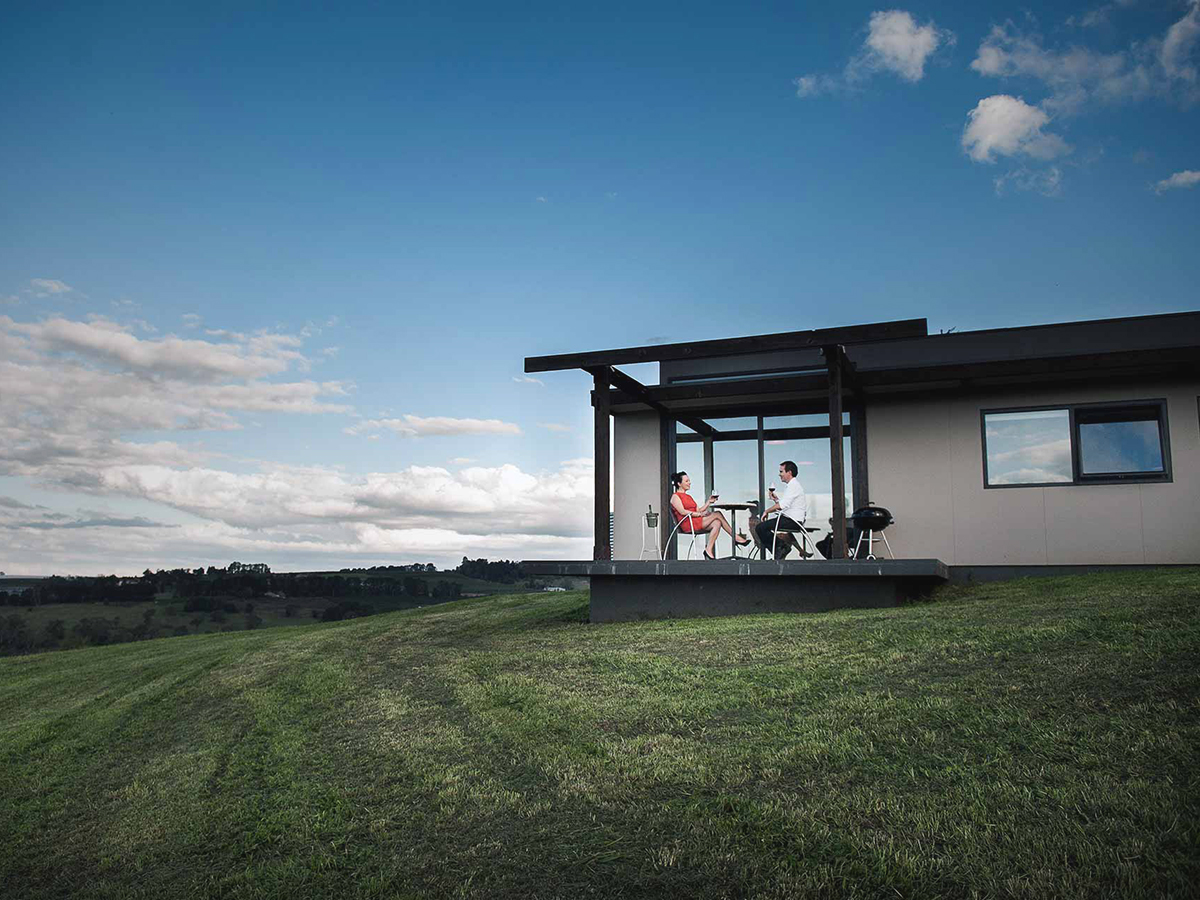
{"x":792,"y":506}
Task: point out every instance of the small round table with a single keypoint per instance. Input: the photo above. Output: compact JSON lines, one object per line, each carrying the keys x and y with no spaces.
{"x":733,"y":511}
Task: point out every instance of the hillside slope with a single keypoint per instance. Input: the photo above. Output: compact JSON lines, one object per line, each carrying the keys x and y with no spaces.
{"x":1034,"y":739}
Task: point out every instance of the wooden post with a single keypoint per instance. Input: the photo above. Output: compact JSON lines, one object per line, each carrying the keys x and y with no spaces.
{"x":602,"y":548}
{"x":833,"y":358}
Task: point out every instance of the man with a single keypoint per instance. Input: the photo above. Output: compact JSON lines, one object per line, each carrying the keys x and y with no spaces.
{"x":792,"y":506}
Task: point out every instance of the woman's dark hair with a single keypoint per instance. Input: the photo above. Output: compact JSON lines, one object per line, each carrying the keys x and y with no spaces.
{"x":676,"y":478}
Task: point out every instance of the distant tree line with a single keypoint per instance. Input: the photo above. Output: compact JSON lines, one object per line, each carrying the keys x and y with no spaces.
{"x":502,"y":571}
{"x":220,"y":585}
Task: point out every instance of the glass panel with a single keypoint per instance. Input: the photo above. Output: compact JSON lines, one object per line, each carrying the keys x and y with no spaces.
{"x":689,"y":458}
{"x":736,"y":479}
{"x":733,"y":423}
{"x":812,"y":462}
{"x":1028,"y":447}
{"x":745,"y":376}
{"x":815,"y":420}
{"x":1120,"y":447}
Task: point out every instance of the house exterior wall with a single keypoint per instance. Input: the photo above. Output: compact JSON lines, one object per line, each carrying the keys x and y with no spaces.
{"x":926,"y":466}
{"x":635,"y":480}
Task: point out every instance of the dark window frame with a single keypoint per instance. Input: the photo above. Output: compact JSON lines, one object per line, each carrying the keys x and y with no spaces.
{"x":1158,"y":404}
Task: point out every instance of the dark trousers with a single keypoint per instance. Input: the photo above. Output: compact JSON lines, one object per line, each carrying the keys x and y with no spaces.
{"x":766,"y":532}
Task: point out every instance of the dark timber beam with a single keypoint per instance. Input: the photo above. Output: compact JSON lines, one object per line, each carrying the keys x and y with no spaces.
{"x":761,"y":343}
{"x":633,"y":389}
{"x":602,"y":549}
{"x":811,"y":433}
{"x":715,"y":390}
{"x":835,"y":358}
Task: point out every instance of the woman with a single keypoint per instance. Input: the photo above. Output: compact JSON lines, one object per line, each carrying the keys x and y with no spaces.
{"x":694,"y":519}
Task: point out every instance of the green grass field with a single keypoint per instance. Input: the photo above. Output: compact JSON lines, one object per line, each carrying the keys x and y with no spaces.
{"x":1033,"y":739}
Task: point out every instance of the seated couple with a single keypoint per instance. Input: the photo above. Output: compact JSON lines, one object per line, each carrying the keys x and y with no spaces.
{"x":693,"y":519}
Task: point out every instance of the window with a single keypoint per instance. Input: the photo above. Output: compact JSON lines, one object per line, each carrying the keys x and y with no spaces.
{"x":1032,"y":447}
{"x":1117,"y":442}
{"x":1079,"y":444}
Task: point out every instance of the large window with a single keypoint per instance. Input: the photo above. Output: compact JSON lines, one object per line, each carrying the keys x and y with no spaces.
{"x":739,"y":456}
{"x":1081,"y":444}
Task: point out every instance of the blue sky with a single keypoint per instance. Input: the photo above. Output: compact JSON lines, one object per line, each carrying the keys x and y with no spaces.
{"x":241,"y":243}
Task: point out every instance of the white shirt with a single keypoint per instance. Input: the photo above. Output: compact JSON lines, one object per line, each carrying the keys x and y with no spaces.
{"x":792,"y":501}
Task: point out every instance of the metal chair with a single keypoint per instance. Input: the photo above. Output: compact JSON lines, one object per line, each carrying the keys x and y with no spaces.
{"x":805,"y":541}
{"x":675,"y":530}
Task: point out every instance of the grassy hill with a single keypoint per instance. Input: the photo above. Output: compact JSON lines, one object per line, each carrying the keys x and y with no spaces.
{"x":1035,"y":739}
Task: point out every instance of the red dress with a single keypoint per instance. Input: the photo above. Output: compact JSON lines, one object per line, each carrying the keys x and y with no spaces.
{"x":689,"y":526}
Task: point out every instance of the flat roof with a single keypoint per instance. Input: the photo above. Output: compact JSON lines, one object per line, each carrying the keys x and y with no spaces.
{"x":759,"y":343}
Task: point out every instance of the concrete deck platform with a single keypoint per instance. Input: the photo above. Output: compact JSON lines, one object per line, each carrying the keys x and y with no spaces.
{"x":625,"y":590}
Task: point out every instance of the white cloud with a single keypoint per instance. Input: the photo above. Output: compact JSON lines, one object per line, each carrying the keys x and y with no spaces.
{"x":1188,"y":178}
{"x":1100,"y":16}
{"x":1178,"y":45}
{"x":462,"y":460}
{"x":1008,"y":126}
{"x":1047,"y":182}
{"x":895,"y":43}
{"x":525,"y":379}
{"x":46,"y":287}
{"x":191,"y":320}
{"x":541,"y":199}
{"x":1079,"y":76}
{"x":815,"y":85}
{"x":554,"y":426}
{"x":419,"y":426}
{"x":106,"y":342}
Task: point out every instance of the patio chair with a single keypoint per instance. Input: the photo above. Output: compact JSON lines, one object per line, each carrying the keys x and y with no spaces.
{"x":679,"y":521}
{"x":805,"y":542}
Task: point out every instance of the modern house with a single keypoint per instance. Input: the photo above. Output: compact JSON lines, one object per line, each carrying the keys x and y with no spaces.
{"x":1000,"y":452}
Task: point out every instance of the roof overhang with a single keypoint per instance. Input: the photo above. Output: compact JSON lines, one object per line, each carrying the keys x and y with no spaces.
{"x":760,"y":343}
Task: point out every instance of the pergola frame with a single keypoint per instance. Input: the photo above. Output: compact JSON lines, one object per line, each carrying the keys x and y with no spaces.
{"x":611,"y":387}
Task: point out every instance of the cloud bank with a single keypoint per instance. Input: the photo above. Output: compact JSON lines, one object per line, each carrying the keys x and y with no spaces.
{"x":91,"y":409}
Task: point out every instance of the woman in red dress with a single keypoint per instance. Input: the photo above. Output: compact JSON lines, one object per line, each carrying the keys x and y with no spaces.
{"x":694,"y":520}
